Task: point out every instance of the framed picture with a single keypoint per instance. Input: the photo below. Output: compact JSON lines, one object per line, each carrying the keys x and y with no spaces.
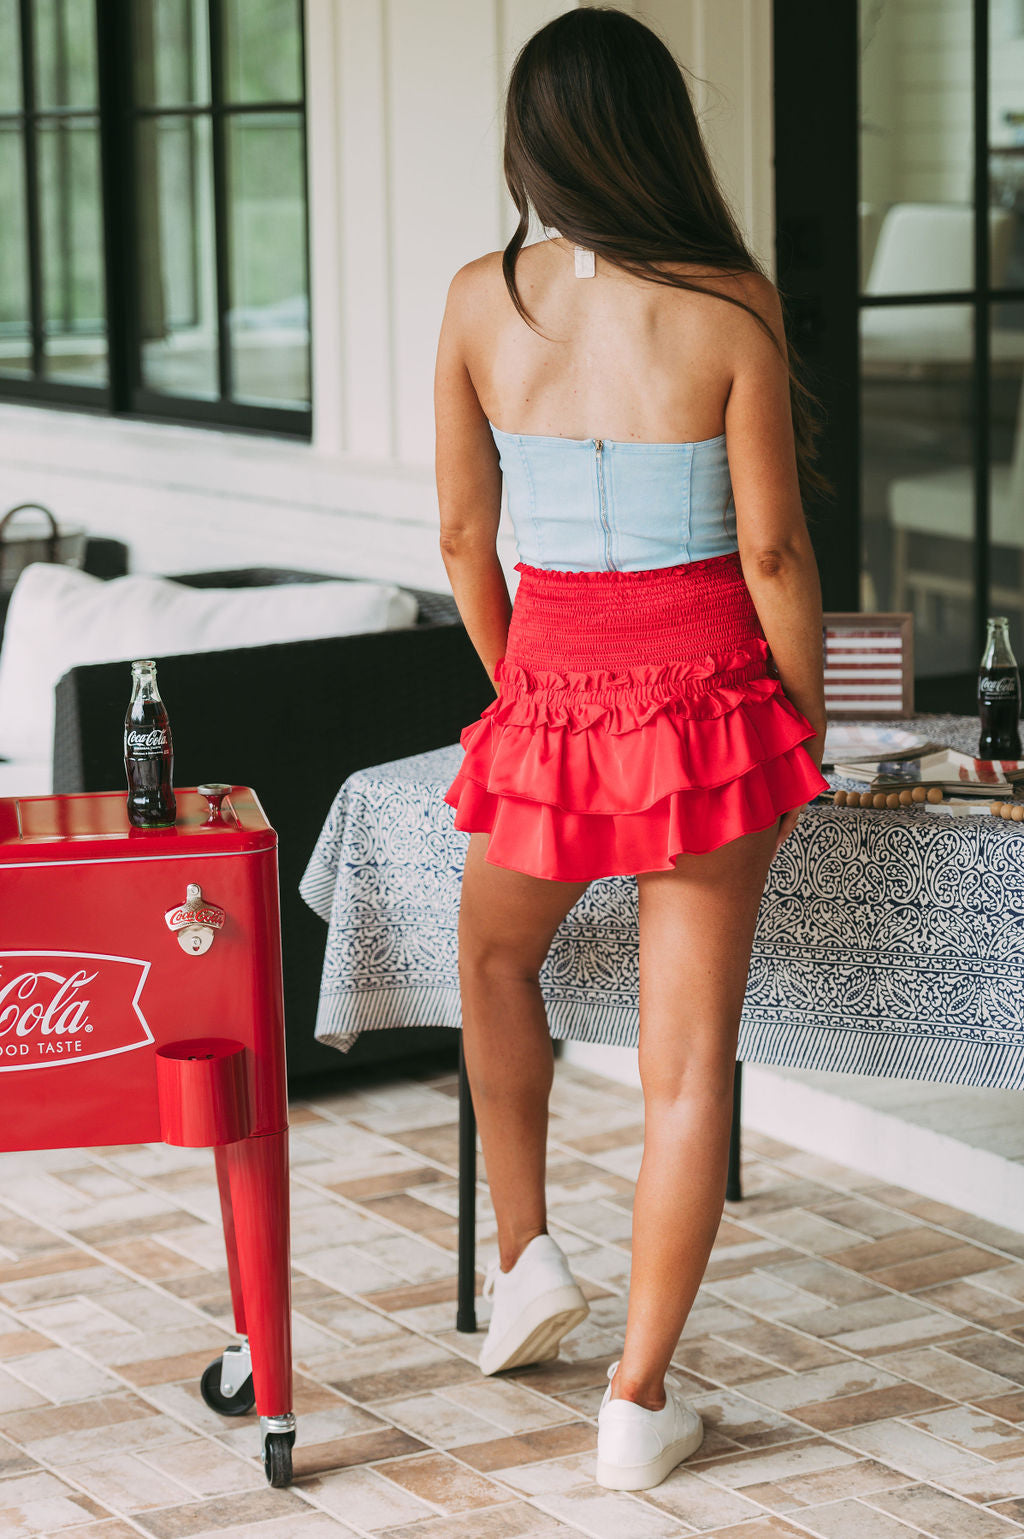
{"x":869,"y":664}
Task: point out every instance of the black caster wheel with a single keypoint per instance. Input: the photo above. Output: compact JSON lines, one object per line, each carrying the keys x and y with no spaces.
{"x":238,"y":1404}
{"x":277,"y":1458}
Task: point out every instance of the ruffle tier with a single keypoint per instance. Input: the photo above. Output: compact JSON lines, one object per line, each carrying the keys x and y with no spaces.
{"x":578,"y":774}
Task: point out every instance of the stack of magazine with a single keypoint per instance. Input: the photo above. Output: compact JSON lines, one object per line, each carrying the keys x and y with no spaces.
{"x":935,"y":764}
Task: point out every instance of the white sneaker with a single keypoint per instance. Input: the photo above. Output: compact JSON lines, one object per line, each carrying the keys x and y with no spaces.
{"x":637,"y":1448}
{"x":535,"y":1304}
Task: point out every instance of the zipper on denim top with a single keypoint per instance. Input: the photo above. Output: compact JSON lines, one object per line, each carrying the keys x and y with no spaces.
{"x":602,"y":505}
{"x":601,"y":487}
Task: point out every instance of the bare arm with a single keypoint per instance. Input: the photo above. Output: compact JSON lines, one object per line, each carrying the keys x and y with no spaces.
{"x":776,"y":554}
{"x":468,"y":478}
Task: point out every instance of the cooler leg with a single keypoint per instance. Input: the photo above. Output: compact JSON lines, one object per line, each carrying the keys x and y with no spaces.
{"x":258,"y":1174}
{"x":230,"y":1244}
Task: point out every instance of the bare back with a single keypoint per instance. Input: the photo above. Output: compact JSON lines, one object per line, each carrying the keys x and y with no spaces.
{"x":620,"y":357}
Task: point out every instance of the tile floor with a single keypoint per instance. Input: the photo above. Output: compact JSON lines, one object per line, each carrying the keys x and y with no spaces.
{"x":856,"y":1351}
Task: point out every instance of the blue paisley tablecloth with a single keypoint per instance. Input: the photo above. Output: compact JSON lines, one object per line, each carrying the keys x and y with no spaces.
{"x":887,"y":942}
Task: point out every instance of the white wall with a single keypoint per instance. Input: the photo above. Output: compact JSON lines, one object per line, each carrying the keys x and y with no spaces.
{"x":725,"y":49}
{"x":405,"y":104}
{"x":405,"y":153}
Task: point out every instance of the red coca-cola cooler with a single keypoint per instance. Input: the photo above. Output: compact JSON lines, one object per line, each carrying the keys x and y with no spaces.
{"x":140,"y":1001}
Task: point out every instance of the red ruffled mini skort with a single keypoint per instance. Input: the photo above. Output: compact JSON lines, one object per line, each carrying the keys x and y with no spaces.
{"x":637,"y":719}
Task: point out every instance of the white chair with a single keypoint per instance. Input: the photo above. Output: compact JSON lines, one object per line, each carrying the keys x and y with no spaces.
{"x":925,"y":248}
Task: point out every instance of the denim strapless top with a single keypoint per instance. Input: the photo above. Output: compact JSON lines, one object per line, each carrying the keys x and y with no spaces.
{"x":601,"y":504}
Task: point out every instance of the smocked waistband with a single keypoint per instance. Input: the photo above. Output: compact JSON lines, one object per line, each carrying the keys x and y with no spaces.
{"x":612,"y":618}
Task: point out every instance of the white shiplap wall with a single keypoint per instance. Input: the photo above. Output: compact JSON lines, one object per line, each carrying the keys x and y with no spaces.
{"x":917,"y":106}
{"x":916,"y":113}
{"x":405,"y":107}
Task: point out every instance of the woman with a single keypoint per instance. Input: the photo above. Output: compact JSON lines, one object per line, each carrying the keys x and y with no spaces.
{"x":660,"y":705}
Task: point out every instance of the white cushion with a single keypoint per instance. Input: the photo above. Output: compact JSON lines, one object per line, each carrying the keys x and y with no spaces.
{"x":59,"y":618}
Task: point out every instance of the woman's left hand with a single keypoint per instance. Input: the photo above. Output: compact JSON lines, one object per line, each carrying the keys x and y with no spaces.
{"x":787,"y":823}
{"x":815,"y":747}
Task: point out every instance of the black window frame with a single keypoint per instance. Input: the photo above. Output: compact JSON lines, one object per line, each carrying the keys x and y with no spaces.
{"x":125,"y":395}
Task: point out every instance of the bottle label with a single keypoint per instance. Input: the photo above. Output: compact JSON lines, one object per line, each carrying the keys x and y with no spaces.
{"x":153,"y":741}
{"x":998,"y":689}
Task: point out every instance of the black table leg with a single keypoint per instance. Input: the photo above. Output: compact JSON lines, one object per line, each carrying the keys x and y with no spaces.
{"x":465,"y":1317}
{"x":732,"y":1181}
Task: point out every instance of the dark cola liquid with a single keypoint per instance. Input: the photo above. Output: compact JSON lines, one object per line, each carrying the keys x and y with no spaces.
{"x":999,"y":710}
{"x":148,"y":762}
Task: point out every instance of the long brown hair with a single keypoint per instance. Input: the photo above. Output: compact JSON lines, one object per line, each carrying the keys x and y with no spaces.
{"x":602,"y":140}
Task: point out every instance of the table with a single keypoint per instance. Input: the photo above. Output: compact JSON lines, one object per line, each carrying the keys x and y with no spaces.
{"x":887,"y":943}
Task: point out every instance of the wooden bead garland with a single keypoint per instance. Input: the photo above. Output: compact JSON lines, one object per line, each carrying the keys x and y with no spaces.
{"x":890,"y":799}
{"x":1011,"y":811}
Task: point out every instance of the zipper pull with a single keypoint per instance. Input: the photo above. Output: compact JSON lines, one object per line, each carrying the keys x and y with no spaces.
{"x":598,"y":444}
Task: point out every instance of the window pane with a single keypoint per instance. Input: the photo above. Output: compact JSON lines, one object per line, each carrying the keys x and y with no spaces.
{"x":916,"y":148}
{"x":74,"y":310}
{"x":170,"y":52}
{"x":1006,"y":336}
{"x":177,"y":291}
{"x":1006,"y":506}
{"x":1006,"y":164}
{"x":262,"y":51}
{"x":65,"y":50}
{"x":15,"y":345}
{"x":10,"y":57}
{"x":269,"y":319}
{"x":918,"y":478}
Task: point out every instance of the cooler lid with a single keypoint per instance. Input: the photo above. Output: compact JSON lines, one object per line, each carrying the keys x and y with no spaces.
{"x":95,"y":826}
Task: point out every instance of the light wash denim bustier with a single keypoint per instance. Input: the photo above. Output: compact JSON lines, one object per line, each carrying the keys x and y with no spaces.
{"x":600,"y":504}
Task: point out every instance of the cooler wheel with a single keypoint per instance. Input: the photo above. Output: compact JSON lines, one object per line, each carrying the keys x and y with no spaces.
{"x":239,"y":1402}
{"x":277,"y":1457}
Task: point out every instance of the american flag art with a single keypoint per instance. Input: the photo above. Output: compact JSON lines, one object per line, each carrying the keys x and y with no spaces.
{"x":869,"y":668}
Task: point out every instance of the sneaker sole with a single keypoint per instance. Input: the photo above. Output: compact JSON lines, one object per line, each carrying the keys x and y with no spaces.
{"x":639,"y":1477}
{"x":534,"y":1336}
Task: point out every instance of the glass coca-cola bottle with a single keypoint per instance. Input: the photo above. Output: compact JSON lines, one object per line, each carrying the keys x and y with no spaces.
{"x":148,"y":754}
{"x":999,"y":695}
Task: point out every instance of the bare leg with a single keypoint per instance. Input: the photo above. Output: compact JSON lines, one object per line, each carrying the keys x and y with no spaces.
{"x":696,"y":933}
{"x":507,"y":921}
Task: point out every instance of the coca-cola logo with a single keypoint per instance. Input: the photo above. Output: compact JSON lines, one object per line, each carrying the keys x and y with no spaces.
{"x":61,"y":1007}
{"x":149,"y":741}
{"x":176,"y":917}
{"x":1007,"y":685}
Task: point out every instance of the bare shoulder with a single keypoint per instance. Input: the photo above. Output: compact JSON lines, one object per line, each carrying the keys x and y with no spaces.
{"x":481,"y":282}
{"x":729,"y":325}
{"x":475,"y":282}
{"x":760,"y":293}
